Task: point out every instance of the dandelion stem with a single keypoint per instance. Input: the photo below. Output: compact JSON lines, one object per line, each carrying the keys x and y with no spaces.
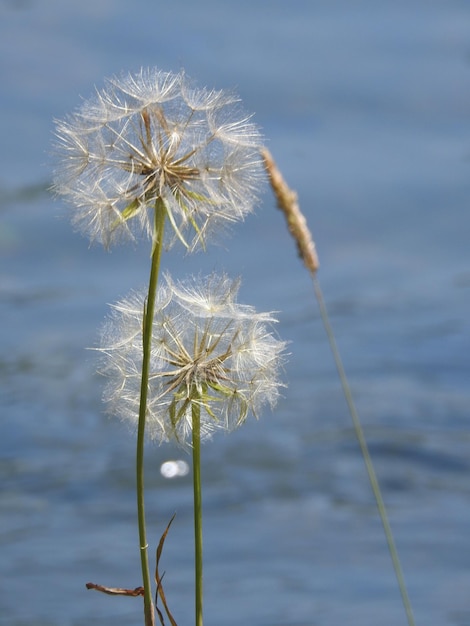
{"x":146,"y":347}
{"x":196,"y":432}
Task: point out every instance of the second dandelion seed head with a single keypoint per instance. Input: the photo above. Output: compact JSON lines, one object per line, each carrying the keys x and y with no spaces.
{"x":207,"y":351}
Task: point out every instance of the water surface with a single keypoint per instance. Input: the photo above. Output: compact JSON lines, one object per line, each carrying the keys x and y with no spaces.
{"x":365,"y":106}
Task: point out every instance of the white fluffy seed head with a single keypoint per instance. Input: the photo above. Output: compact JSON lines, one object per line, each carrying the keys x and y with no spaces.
{"x":207,"y":351}
{"x":154,"y":136}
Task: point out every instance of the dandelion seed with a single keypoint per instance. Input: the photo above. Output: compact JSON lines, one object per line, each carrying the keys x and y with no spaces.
{"x":151,"y":140}
{"x":207,"y":351}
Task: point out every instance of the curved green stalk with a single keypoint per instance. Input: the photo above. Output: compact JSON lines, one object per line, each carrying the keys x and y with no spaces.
{"x":297,"y":224}
{"x":365,"y":453}
{"x":146,"y":347}
{"x":196,"y":416}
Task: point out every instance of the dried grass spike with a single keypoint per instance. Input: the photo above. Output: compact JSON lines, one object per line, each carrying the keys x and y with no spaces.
{"x":296,"y":222}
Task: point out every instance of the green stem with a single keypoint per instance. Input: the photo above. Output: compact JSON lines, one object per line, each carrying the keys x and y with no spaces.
{"x":149,"y":309}
{"x":365,"y":453}
{"x":196,"y":416}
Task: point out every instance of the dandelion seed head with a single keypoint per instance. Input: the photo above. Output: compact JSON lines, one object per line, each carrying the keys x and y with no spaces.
{"x":207,"y":351}
{"x":154,"y":136}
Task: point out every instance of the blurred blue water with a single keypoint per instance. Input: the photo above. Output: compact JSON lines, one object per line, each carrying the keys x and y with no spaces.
{"x":366,"y":107}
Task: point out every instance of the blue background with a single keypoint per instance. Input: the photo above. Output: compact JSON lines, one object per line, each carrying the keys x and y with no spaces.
{"x":366,"y":107}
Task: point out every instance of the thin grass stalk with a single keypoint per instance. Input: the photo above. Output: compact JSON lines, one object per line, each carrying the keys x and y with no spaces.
{"x":149,"y":611}
{"x":196,"y":451}
{"x":297,"y":225}
{"x":358,"y":430}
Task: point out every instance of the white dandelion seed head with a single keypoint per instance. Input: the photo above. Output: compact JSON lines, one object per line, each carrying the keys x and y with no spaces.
{"x":207,"y":351}
{"x":153,"y":135}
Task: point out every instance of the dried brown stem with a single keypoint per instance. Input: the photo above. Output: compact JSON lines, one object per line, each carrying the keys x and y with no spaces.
{"x":116,"y":591}
{"x":158,"y":579}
